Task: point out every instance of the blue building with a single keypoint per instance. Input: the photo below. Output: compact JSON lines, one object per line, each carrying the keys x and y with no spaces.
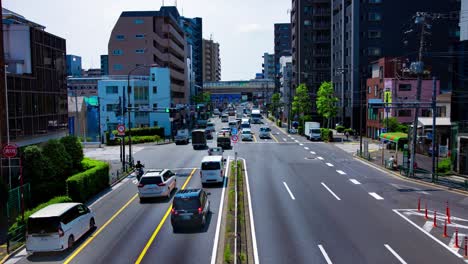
{"x":193,"y":28}
{"x":73,"y":65}
{"x":147,"y":93}
{"x":104,"y":64}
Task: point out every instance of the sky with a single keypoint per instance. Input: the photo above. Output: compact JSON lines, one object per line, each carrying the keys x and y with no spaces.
{"x":243,"y":28}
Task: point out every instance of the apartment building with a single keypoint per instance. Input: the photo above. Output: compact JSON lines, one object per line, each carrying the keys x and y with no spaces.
{"x":211,"y":61}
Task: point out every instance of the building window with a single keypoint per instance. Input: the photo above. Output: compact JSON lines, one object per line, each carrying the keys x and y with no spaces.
{"x":117,"y":52}
{"x":370,"y":90}
{"x":153,"y":77}
{"x":140,"y":51}
{"x":155,"y":123}
{"x":120,"y":37}
{"x":375,"y":1}
{"x":373,"y":51}
{"x":140,"y":36}
{"x":155,"y":89}
{"x":307,"y":22}
{"x":155,"y":105}
{"x":372,"y":16}
{"x":117,"y":67}
{"x":112,"y":89}
{"x":404,"y":87}
{"x":141,"y":93}
{"x":404,"y":113}
{"x":426,"y":113}
{"x":111,"y":107}
{"x":374,"y":34}
{"x":376,"y":90}
{"x":139,"y":21}
{"x":441,"y":111}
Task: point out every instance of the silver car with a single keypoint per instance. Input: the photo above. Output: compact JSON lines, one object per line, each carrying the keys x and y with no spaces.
{"x":264,"y":132}
{"x":156,"y":183}
{"x":246,"y":134}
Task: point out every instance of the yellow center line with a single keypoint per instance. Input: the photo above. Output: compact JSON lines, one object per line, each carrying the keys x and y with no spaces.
{"x":94,"y":235}
{"x":253,"y":136}
{"x":158,"y":228}
{"x":274,"y":138}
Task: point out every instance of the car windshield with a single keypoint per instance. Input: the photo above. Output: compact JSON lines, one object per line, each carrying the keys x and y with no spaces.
{"x":189,"y":203}
{"x":43,"y":225}
{"x":211,"y":165}
{"x":151,"y":180}
{"x":245,"y":132}
{"x":265,"y":129}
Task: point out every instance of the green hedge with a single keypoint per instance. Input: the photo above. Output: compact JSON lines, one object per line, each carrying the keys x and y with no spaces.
{"x":444,"y":165}
{"x":137,"y":132}
{"x":326,"y":134}
{"x":135,"y":140}
{"x":340,"y":129}
{"x":83,"y":185}
{"x":55,"y":200}
{"x":350,"y":131}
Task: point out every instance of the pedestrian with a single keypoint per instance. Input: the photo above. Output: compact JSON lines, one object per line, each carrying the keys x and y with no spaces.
{"x":347,"y":135}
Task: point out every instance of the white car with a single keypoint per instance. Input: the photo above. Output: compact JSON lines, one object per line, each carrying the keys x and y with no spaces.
{"x":156,"y":183}
{"x":246,"y":134}
{"x":226,"y":131}
{"x":264,"y":132}
{"x":57,"y":227}
{"x":210,"y":126}
{"x":216,"y":151}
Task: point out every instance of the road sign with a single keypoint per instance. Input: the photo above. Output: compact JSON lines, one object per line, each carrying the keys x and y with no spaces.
{"x":234,"y":131}
{"x":234,"y":138}
{"x":10,"y":151}
{"x":121,"y":129}
{"x":145,"y":108}
{"x":112,"y":136}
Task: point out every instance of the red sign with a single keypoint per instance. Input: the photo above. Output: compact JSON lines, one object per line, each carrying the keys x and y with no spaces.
{"x":10,"y":151}
{"x":234,"y":138}
{"x":121,"y":129}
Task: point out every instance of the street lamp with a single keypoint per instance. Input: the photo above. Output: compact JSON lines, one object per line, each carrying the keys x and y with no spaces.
{"x":130,"y":160}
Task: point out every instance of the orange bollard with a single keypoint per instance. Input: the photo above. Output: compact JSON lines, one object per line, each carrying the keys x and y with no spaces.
{"x":419,"y":204}
{"x":466,"y":247}
{"x":425,"y":204}
{"x":435,"y":218}
{"x":456,"y":238}
{"x":445,"y":228}
{"x":447,"y":212}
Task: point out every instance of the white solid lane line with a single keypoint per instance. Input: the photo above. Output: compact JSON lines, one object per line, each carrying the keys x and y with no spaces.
{"x":402,"y":261}
{"x":325,"y":255}
{"x":312,"y":152}
{"x":218,"y":224}
{"x":252,"y":229}
{"x":306,"y":148}
{"x":326,"y":187}
{"x":329,"y":164}
{"x":376,"y":196}
{"x":320,"y":158}
{"x":354,"y":181}
{"x":341,"y":172}
{"x":289,"y":191}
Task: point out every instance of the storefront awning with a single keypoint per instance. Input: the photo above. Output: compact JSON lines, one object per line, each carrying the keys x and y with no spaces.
{"x":394,"y":136}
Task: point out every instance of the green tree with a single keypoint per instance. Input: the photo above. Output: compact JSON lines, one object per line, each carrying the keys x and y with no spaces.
{"x":394,"y":125}
{"x":60,"y":161}
{"x":326,"y":101}
{"x":301,"y":104}
{"x":75,"y":151}
{"x":202,"y":98}
{"x":275,"y":104}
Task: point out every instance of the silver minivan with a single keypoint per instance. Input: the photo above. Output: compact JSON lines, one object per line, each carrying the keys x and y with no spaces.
{"x":57,"y":227}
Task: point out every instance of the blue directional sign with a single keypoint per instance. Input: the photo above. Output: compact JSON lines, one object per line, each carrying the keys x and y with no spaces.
{"x":234,"y":131}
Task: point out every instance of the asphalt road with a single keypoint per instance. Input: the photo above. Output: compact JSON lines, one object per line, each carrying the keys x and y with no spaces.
{"x":311,"y":199}
{"x":312,"y":203}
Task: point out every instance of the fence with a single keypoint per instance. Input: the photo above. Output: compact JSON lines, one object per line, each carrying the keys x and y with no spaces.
{"x":13,"y":208}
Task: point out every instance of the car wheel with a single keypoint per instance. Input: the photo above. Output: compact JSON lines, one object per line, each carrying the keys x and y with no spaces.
{"x":141,"y":200}
{"x":175,"y":229}
{"x":92,"y":224}
{"x":71,"y":241}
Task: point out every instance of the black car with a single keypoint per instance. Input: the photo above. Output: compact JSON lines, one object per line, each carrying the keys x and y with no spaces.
{"x":190,"y":208}
{"x":208,"y":134}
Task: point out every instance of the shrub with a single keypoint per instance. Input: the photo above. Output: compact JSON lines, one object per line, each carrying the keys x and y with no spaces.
{"x":147,"y":131}
{"x":137,"y":132}
{"x":83,"y":185}
{"x":340,"y":129}
{"x":326,"y":134}
{"x":75,"y":151}
{"x":278,"y":122}
{"x":444,"y":165}
{"x":350,"y":131}
{"x":144,"y":139}
{"x":27,"y":213}
{"x":60,"y":161}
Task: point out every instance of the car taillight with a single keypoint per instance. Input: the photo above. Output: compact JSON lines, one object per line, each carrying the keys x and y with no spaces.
{"x":60,"y":232}
{"x":173,"y":211}
{"x":199,"y":210}
{"x":161,"y":184}
{"x":141,"y":185}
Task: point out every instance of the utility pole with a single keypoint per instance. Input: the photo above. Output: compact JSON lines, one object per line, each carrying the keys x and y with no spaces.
{"x":434,"y":112}
{"x":420,"y":19}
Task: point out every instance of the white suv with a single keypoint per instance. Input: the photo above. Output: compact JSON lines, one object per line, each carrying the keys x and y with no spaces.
{"x":264,"y":132}
{"x":156,"y":183}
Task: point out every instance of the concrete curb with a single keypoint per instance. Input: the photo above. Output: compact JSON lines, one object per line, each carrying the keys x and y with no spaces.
{"x":401,"y":177}
{"x":222,"y":229}
{"x":7,"y":257}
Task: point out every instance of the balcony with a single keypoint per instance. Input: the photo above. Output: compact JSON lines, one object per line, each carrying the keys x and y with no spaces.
{"x":176,"y":48}
{"x":173,"y":34}
{"x":321,"y":39}
{"x":322,"y":12}
{"x":321,"y":53}
{"x":175,"y":61}
{"x":177,"y":75}
{"x":319,"y":26}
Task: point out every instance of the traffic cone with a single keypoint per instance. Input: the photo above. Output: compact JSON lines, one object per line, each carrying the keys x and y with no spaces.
{"x":435,"y":218}
{"x":456,"y":238}
{"x":419,"y":204}
{"x":425,"y":205}
{"x":445,"y":228}
{"x":447,"y":212}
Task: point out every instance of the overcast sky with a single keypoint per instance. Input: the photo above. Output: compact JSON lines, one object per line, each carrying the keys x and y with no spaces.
{"x":244,"y":28}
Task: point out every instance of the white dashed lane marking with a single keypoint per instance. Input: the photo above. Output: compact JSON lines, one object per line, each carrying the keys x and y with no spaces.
{"x":329,"y":164}
{"x":376,"y":196}
{"x":341,"y":172}
{"x":355,"y":181}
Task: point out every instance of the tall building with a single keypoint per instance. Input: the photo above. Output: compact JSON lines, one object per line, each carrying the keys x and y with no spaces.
{"x":211,"y":61}
{"x":104,"y":64}
{"x":74,"y":65}
{"x":193,"y":28}
{"x":363,"y":31}
{"x":36,"y":81}
{"x":268,"y":66}
{"x":148,"y":38}
{"x":282,"y":44}
{"x":285,"y":83}
{"x":310,"y":36}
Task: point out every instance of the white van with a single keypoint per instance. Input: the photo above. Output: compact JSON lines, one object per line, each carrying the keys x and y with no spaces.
{"x":212,"y":169}
{"x":57,"y":227}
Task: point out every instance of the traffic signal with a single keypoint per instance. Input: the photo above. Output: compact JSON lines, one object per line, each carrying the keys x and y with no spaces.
{"x":170,"y":110}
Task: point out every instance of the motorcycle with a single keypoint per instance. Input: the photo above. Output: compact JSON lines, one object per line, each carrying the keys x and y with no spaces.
{"x":139,"y":173}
